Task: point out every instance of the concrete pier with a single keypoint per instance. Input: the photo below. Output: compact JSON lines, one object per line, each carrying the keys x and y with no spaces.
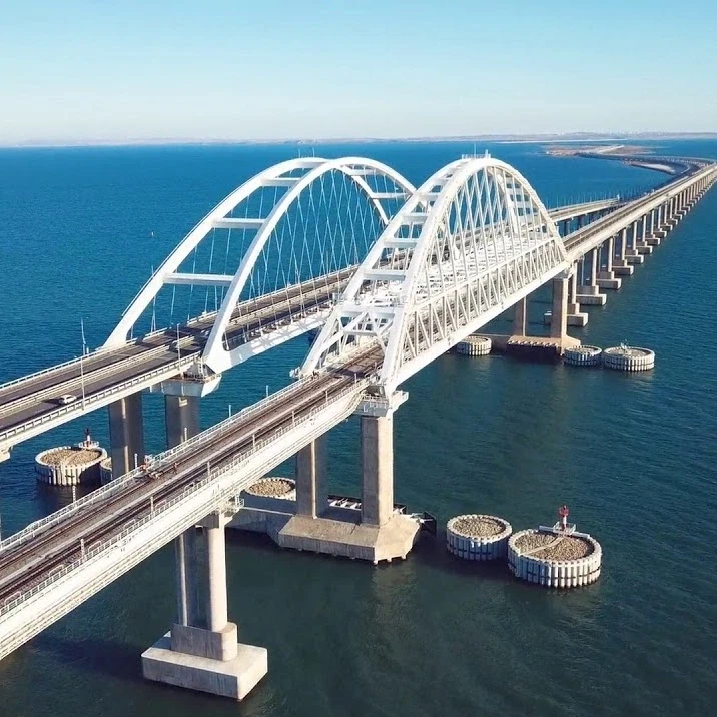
{"x":548,"y":347}
{"x":181,"y":418}
{"x":201,"y":651}
{"x":126,"y":434}
{"x":620,"y":265}
{"x":606,"y":278}
{"x":520,"y":317}
{"x":311,"y":489}
{"x":377,"y":531}
{"x":589,"y":293}
{"x":377,"y":469}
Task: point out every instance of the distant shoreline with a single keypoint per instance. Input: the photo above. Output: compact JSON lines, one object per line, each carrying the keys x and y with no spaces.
{"x":577,"y":137}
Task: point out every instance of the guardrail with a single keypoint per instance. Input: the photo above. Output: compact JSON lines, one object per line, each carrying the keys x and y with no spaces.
{"x":192,"y":489}
{"x":92,"y":376}
{"x":177,"y":367}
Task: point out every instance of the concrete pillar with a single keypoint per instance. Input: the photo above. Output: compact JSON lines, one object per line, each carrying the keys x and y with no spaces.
{"x":581,"y":221}
{"x":559,"y":315}
{"x":311,"y":490}
{"x":188,"y":559}
{"x":623,"y":244}
{"x":573,"y":289}
{"x":610,"y":253}
{"x":126,"y":434}
{"x":203,"y":653}
{"x":217,"y":575}
{"x":377,"y":469}
{"x":520,"y":317}
{"x":181,"y":418}
{"x":593,"y":267}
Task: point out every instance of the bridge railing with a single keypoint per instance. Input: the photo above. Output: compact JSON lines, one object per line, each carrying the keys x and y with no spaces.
{"x":584,"y":235}
{"x":80,"y":405}
{"x":77,"y":380}
{"x":167,"y":456}
{"x":161,"y":507}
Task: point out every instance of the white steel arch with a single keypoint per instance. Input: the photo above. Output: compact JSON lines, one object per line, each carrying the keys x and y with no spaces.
{"x":472,"y":240}
{"x":283,"y":174}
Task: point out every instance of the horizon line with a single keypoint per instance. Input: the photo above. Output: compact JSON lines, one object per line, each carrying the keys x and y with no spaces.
{"x":574,"y":136}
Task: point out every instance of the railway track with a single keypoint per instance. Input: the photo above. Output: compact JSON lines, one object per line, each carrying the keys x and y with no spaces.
{"x":30,"y":563}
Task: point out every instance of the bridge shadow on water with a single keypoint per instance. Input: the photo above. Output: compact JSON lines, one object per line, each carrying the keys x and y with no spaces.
{"x":432,"y":553}
{"x":104,"y":657}
{"x":429,"y":552}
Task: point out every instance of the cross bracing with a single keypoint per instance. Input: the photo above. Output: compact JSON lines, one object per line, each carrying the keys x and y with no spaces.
{"x":472,"y":240}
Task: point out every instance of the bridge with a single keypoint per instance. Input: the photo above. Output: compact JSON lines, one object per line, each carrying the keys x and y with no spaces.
{"x":115,"y":374}
{"x":438,"y":262}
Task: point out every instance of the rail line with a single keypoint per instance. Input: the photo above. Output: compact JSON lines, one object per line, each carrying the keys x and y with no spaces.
{"x":19,"y":573}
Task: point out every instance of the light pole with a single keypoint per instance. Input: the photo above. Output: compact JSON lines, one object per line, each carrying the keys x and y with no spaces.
{"x":82,"y":355}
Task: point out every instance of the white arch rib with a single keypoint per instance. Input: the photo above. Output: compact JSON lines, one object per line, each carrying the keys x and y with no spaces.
{"x":215,"y":354}
{"x":386,"y":315}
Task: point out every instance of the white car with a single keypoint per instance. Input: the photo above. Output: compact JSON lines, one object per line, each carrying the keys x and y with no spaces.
{"x":67,"y":398}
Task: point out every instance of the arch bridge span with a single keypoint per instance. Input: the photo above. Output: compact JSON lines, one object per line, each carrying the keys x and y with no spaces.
{"x":433,"y":265}
{"x":471,"y":241}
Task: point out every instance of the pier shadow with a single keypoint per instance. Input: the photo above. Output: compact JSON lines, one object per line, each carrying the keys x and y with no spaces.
{"x":432,"y":553}
{"x":95,"y":655}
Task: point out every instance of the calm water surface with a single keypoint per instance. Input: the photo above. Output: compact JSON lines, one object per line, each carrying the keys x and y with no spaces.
{"x":634,"y":456}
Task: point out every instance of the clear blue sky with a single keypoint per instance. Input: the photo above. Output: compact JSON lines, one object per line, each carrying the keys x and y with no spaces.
{"x":245,"y":69}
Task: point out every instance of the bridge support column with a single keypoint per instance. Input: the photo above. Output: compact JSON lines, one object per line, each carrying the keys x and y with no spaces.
{"x":520,"y":317}
{"x":632,"y":255}
{"x":606,"y":278}
{"x":589,"y":293}
{"x":621,"y":267}
{"x":201,"y":651}
{"x":311,"y":492}
{"x":372,"y":528}
{"x":575,"y":316}
{"x":642,"y":245}
{"x":655,"y":235}
{"x":181,"y":418}
{"x":559,"y":314}
{"x":377,"y":469}
{"x":126,"y":434}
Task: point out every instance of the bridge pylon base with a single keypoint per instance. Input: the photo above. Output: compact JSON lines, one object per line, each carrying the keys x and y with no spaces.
{"x":233,"y":677}
{"x":342,"y":538}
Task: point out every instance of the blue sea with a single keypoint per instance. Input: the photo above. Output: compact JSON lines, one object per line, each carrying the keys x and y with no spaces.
{"x":633,"y":455}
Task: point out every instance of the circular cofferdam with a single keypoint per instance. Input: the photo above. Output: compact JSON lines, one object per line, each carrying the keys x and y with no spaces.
{"x":106,"y":470}
{"x":554,"y":560}
{"x":628,"y":358}
{"x":583,"y":356}
{"x":475,"y":345}
{"x":284,"y":488}
{"x":69,"y":465}
{"x":478,"y":537}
